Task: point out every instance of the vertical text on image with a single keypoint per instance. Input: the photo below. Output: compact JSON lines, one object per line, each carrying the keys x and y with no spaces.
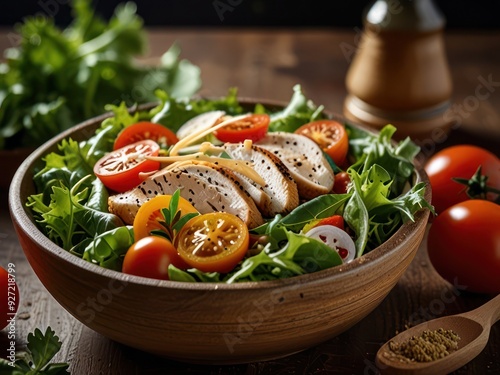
{"x":12,"y":296}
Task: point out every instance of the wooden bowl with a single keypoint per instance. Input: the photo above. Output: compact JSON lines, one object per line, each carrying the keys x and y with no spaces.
{"x":204,"y":322}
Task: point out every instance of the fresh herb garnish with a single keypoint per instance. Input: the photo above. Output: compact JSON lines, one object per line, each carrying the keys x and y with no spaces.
{"x":173,"y":220}
{"x":57,"y":78}
{"x":36,"y":360}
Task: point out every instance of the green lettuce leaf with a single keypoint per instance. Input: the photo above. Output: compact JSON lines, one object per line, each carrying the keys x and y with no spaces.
{"x":56,"y":78}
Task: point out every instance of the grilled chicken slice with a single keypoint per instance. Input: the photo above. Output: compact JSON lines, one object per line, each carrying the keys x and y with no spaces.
{"x":305,"y":160}
{"x":199,"y":123}
{"x":207,"y":186}
{"x":281,"y":194}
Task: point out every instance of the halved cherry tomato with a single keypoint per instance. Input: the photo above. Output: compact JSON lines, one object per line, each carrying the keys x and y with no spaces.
{"x":341,"y":182}
{"x":253,"y":127}
{"x":335,"y":220}
{"x":149,"y":216}
{"x":213,"y":242}
{"x":330,"y":135}
{"x":145,"y":130}
{"x":150,"y":257}
{"x":119,"y":170}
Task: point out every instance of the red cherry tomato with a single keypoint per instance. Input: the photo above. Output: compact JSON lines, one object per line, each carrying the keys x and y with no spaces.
{"x":213,"y":242}
{"x":335,"y":220}
{"x":464,"y":245}
{"x":150,"y":257}
{"x":119,"y":170}
{"x":145,"y":130}
{"x":460,"y":161}
{"x":9,"y":296}
{"x":341,"y":182}
{"x":253,"y":127}
{"x":330,"y":135}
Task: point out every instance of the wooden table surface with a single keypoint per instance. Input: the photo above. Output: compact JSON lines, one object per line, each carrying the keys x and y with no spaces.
{"x":266,"y":64}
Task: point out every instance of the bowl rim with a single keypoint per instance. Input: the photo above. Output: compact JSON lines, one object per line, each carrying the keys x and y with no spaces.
{"x":20,"y":214}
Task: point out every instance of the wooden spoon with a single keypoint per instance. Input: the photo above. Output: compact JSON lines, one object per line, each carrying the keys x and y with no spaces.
{"x":473,"y":327}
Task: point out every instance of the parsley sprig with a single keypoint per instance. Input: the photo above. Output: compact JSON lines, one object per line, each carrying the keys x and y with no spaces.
{"x":36,"y":360}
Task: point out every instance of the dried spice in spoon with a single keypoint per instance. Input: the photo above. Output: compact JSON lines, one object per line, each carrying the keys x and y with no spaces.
{"x":429,"y":346}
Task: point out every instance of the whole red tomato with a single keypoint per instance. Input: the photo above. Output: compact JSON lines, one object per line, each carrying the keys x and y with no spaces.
{"x":460,"y":161}
{"x":9,"y":296}
{"x":464,"y":245}
{"x":150,"y":257}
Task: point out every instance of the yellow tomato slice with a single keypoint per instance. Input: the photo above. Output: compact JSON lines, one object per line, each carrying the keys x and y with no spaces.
{"x":149,"y":216}
{"x":213,"y":242}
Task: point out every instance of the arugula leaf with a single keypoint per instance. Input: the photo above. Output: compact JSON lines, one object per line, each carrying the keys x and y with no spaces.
{"x":379,"y":204}
{"x":300,"y":255}
{"x":320,"y":207}
{"x":395,"y":159}
{"x":67,"y":221}
{"x":173,"y":112}
{"x":287,"y":254}
{"x":41,"y":349}
{"x":298,"y":112}
{"x":109,"y":248}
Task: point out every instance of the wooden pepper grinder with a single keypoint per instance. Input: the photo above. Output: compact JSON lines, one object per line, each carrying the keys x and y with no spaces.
{"x":400,"y":73}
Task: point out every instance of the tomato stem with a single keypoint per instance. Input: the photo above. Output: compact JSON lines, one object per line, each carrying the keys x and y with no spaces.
{"x":476,"y":186}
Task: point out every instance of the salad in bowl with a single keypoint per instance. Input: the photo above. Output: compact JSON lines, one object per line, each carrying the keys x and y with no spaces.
{"x":212,"y":190}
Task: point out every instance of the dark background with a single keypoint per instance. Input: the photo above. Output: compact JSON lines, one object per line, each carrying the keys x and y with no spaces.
{"x":480,"y":14}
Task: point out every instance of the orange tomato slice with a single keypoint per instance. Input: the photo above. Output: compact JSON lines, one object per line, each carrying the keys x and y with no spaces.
{"x":149,"y":216}
{"x":213,"y":242}
{"x":330,"y":135}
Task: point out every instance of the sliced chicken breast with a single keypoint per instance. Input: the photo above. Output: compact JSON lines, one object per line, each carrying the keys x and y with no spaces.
{"x":281,"y":194}
{"x":305,"y":160}
{"x":207,"y":186}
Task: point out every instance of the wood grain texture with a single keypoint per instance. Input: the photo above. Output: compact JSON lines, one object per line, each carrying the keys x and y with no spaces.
{"x":267,"y":64}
